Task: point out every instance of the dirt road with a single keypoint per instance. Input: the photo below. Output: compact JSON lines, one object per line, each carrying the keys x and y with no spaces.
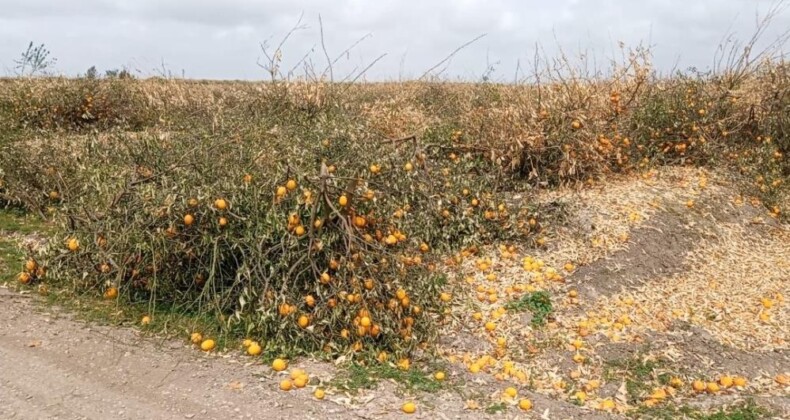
{"x":54,"y":367}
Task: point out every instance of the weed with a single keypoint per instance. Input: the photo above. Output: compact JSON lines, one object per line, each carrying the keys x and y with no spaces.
{"x":539,"y":303}
{"x":358,"y":376}
{"x":496,"y":408}
{"x":747,"y":410}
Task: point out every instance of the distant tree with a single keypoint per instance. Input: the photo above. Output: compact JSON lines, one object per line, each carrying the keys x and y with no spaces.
{"x":35,"y":59}
{"x":119,"y":74}
{"x":92,"y":73}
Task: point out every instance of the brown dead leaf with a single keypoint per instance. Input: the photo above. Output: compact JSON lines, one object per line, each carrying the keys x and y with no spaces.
{"x":236,"y":385}
{"x":471,"y":405}
{"x":34,"y":343}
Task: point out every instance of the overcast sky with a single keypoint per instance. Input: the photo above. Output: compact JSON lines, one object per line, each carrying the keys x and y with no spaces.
{"x":221,"y":39}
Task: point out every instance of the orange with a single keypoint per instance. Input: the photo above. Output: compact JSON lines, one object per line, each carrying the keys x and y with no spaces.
{"x":111,"y":293}
{"x":223,"y":222}
{"x":303,"y":321}
{"x":698,"y":385}
{"x":297,"y":372}
{"x":325,"y":278}
{"x":279,"y":365}
{"x":30,"y":266}
{"x":290,"y":185}
{"x":73,"y":244}
{"x":319,"y":394}
{"x":726,"y":381}
{"x":220,"y":204}
{"x":409,"y":408}
{"x":739,"y":381}
{"x":365,"y":321}
{"x":24,"y":278}
{"x":207,"y":345}
{"x":281,"y":191}
{"x":712,"y":387}
{"x":286,"y":385}
{"x":146,"y":320}
{"x":511,"y":392}
{"x":309,"y":300}
{"x":375,"y":330}
{"x":301,"y":381}
{"x":189,"y":219}
{"x":343,"y":200}
{"x":439,"y":376}
{"x":408,"y":167}
{"x":196,"y":338}
{"x":525,"y":404}
{"x":254,"y":349}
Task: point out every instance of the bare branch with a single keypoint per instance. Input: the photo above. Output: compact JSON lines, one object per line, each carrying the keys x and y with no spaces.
{"x":326,"y":54}
{"x":451,"y":55}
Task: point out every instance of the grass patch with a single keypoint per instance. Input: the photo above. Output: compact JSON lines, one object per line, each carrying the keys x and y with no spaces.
{"x":358,"y":376}
{"x":11,"y":255}
{"x":747,"y":410}
{"x":16,"y":221}
{"x":496,"y":408}
{"x":539,"y":303}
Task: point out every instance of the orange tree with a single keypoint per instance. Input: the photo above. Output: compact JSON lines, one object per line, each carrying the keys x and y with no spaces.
{"x":301,"y":229}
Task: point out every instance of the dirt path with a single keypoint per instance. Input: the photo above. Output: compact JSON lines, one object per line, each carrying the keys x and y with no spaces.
{"x":55,"y":367}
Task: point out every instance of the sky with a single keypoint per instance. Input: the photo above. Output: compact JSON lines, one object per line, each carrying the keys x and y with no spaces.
{"x":222,"y":39}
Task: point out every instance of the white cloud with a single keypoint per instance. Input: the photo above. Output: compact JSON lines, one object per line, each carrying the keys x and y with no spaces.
{"x":212,"y":39}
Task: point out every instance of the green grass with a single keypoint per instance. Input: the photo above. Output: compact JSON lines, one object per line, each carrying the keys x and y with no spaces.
{"x":11,"y":255}
{"x":496,"y":408}
{"x":748,"y":410}
{"x":15,"y":221}
{"x":539,"y":303}
{"x":357,"y":376}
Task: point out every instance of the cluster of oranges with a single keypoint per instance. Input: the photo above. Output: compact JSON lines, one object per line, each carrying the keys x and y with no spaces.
{"x":31,"y":272}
